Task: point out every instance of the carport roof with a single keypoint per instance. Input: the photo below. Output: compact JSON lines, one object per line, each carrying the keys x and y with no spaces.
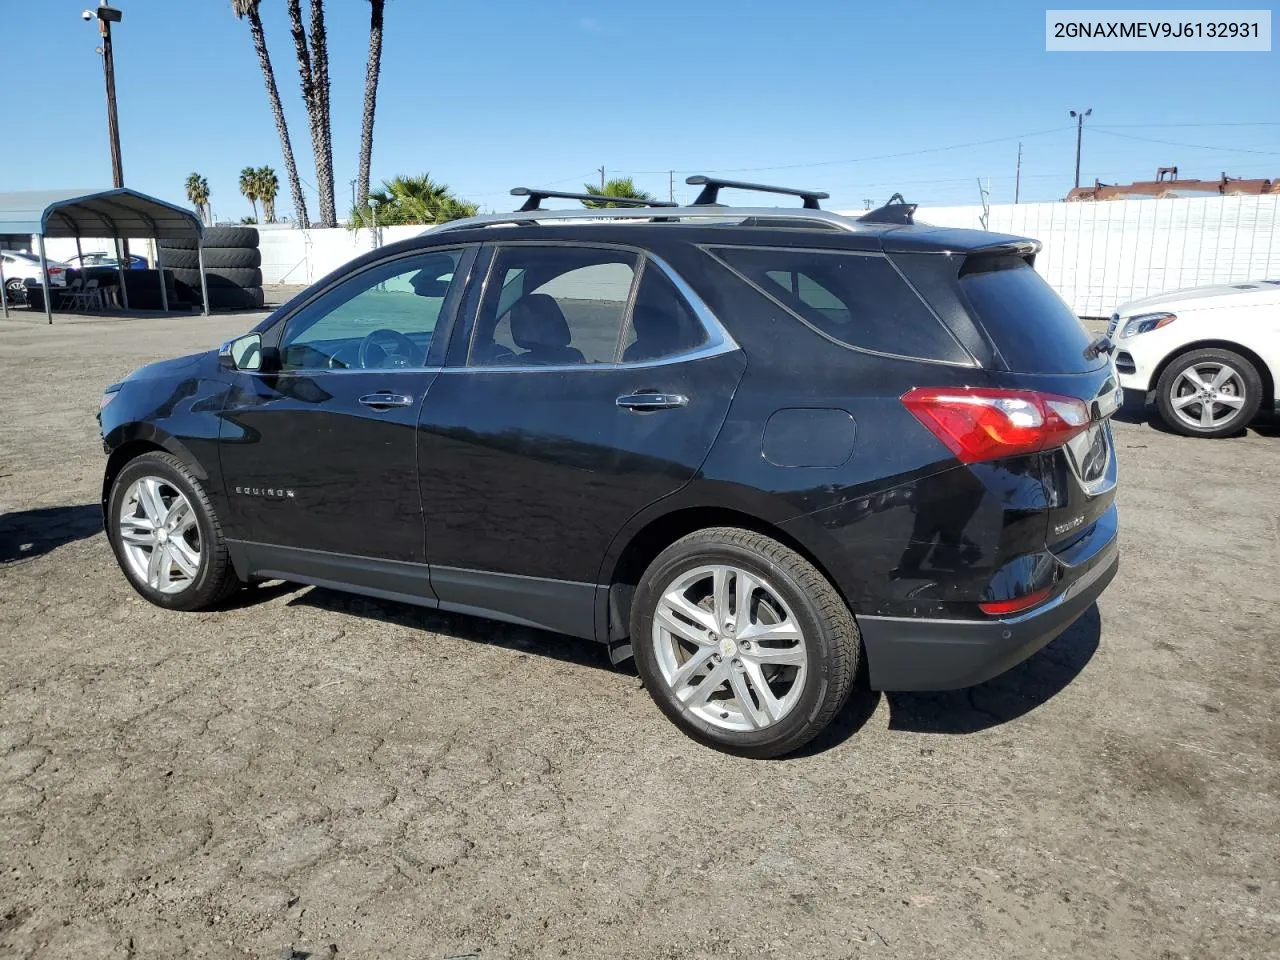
{"x":122,"y":213}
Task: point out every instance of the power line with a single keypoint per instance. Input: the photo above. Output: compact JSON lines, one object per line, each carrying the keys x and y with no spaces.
{"x":1191,"y":146}
{"x":1220,"y":123}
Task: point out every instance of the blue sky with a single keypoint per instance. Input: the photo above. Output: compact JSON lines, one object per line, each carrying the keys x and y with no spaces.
{"x":860,"y":99}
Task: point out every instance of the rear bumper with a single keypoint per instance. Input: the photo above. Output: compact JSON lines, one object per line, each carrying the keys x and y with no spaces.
{"x":905,"y":653}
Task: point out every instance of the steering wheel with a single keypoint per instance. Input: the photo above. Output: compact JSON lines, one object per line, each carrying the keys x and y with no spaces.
{"x":395,"y":346}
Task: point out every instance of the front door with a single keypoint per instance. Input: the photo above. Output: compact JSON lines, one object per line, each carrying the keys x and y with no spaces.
{"x":318,"y":450}
{"x":590,"y":386}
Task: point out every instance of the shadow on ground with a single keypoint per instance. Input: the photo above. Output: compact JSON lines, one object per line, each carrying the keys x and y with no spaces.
{"x":26,"y":534}
{"x":1012,"y":694}
{"x":1000,"y":700}
{"x":585,"y":653}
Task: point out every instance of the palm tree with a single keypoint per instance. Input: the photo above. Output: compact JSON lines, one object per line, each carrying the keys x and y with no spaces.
{"x":411,"y":200}
{"x":313,"y":71}
{"x":617,"y":187}
{"x":249,"y":187}
{"x":370,"y":99}
{"x":249,"y":8}
{"x":198,"y":194}
{"x":268,"y":186}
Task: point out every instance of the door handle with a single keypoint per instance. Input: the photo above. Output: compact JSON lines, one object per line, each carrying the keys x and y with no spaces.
{"x":385,"y":401}
{"x":645,"y":401}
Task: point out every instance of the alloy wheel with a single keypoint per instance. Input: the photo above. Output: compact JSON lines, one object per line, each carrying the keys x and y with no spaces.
{"x":729,"y":647}
{"x":1207,"y":395}
{"x":159,"y":535}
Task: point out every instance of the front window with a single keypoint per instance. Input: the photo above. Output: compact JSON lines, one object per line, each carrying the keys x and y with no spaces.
{"x":382,"y":318}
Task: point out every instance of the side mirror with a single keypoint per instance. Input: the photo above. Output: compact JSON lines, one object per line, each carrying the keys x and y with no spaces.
{"x":242,"y":353}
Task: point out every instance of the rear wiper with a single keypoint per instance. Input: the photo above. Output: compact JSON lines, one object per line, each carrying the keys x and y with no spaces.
{"x":1099,"y":344}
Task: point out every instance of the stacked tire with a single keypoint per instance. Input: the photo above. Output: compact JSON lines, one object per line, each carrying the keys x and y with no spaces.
{"x":232,"y":267}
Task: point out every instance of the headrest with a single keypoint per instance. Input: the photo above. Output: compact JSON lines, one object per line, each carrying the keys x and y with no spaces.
{"x":538,"y":321}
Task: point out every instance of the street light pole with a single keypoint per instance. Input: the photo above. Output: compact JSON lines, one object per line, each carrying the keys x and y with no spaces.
{"x":1079,"y":136}
{"x":106,"y":16}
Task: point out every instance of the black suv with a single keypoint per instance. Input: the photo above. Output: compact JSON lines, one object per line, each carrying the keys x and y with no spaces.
{"x":758,"y":449}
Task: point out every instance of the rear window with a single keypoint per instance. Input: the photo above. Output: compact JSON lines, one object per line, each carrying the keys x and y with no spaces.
{"x":856,"y":299}
{"x":1027,"y":322}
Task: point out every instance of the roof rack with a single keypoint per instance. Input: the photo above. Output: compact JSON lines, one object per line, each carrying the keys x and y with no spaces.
{"x":711,"y":187}
{"x":892,"y":212}
{"x":757,"y":216}
{"x":537,"y":196}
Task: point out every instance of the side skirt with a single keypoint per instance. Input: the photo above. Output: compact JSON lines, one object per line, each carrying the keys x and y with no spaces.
{"x":559,"y":606}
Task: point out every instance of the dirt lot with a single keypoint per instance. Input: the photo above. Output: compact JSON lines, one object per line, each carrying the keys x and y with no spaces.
{"x":309,"y":769}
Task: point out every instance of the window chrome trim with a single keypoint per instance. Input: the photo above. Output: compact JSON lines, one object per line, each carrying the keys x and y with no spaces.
{"x":971,"y":363}
{"x":719,"y":340}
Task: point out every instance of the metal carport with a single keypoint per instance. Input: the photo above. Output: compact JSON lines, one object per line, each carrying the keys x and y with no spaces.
{"x":121,"y":214}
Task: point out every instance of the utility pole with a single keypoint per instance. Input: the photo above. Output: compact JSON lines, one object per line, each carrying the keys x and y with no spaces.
{"x":601,"y":169}
{"x":671,"y":185}
{"x":1079,"y":136}
{"x":106,"y":16}
{"x":1017,"y":178}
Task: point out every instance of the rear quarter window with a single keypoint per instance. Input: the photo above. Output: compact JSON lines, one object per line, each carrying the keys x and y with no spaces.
{"x":856,"y":299}
{"x":1026,"y":321}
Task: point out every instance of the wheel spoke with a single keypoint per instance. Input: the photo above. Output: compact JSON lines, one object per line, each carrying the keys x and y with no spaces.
{"x":697,"y":696}
{"x":179,"y":515}
{"x":137,"y":531}
{"x":782,"y":656}
{"x":158,"y":567}
{"x":184,"y":558}
{"x":1206,"y":413}
{"x":769,"y":705}
{"x":1183,"y":401}
{"x":1192,"y":374}
{"x":1224,"y":374}
{"x":720,"y":595}
{"x":690,"y":668}
{"x":150,"y":501}
{"x":674,"y":601}
{"x":1230,"y":401}
{"x":757,"y":632}
{"x":750,"y":712}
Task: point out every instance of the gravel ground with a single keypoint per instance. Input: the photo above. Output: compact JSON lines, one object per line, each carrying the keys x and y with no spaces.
{"x":307,"y":769}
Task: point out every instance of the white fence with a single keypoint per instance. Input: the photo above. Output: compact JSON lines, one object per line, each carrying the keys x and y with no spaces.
{"x":1096,"y":255}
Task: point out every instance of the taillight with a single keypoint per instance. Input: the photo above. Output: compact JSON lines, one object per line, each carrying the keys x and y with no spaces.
{"x":980,"y":423}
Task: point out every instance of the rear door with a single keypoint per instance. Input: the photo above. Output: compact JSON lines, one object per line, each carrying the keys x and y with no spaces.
{"x":587,"y":382}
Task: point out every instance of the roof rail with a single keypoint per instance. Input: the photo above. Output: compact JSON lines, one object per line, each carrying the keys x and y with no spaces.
{"x":537,"y":196}
{"x":760,"y":216}
{"x":711,"y":187}
{"x":897,"y":210}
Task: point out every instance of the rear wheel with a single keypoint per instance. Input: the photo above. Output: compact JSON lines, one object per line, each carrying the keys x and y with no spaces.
{"x":742,"y":642}
{"x":166,"y":536}
{"x":1209,"y":393}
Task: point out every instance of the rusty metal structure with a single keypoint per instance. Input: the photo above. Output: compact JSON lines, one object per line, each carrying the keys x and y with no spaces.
{"x":1167,"y":184}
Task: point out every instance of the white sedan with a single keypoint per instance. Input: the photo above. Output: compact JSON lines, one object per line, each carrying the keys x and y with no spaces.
{"x":19,"y":266}
{"x":1209,"y":355}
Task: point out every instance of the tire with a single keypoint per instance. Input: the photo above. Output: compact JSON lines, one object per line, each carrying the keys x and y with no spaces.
{"x":220,"y":258}
{"x":230,"y":237}
{"x":214,"y":578}
{"x":180,"y":259}
{"x":227,"y":277}
{"x":808,"y":693}
{"x":236,"y":298}
{"x":1235,"y":397}
{"x":167,"y":245}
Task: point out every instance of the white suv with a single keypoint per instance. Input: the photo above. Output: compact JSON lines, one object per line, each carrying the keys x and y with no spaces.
{"x":1210,"y":354}
{"x":19,"y":267}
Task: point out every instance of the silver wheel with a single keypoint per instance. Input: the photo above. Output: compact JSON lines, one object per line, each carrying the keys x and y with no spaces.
{"x":159,"y":536}
{"x":1207,"y":395}
{"x":729,"y":647}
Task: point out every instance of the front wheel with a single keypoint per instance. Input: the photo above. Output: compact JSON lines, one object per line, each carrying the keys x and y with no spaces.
{"x":1209,"y":393}
{"x":742,"y":642}
{"x":166,"y":536}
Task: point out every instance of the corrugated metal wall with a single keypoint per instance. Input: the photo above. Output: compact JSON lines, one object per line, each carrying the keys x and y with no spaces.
{"x":1098,"y":255}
